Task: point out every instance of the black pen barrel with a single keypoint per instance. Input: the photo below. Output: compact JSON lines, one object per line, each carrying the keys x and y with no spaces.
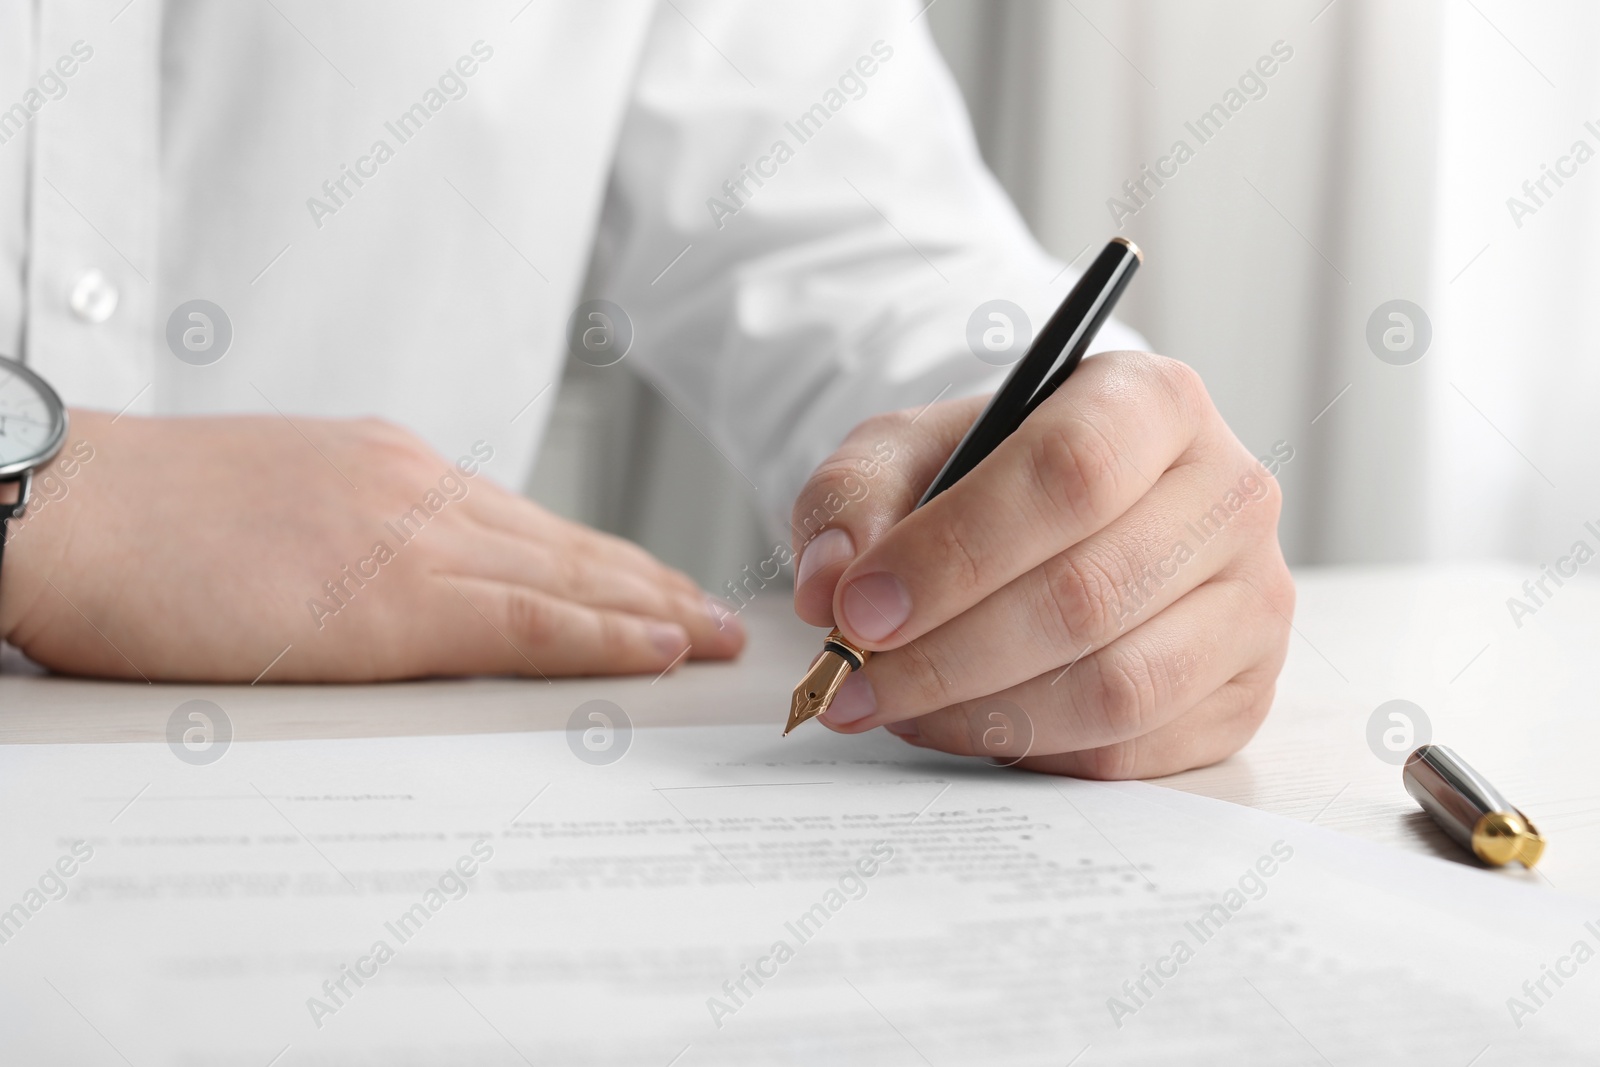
{"x":1053,"y":356}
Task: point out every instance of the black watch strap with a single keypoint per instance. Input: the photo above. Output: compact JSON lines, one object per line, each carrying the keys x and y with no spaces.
{"x":24,"y":483}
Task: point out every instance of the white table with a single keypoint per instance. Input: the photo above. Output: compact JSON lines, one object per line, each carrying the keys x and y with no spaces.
{"x":1518,"y":703}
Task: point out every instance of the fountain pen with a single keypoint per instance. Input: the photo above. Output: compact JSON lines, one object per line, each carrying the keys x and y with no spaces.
{"x":1054,"y":354}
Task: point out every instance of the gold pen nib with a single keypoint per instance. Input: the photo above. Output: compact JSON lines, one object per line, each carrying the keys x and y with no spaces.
{"x":821,"y":683}
{"x":815,"y":692}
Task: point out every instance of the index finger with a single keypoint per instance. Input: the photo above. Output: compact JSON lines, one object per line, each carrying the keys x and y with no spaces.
{"x":1081,"y":459}
{"x":870,"y":483}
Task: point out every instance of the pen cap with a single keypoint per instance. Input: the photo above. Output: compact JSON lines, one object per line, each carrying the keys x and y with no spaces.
{"x":1469,"y":809}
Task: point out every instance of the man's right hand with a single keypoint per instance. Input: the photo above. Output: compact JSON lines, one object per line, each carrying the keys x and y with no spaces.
{"x":196,"y":549}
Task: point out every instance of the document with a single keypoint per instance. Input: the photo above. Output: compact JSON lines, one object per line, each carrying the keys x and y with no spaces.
{"x":721,"y":895}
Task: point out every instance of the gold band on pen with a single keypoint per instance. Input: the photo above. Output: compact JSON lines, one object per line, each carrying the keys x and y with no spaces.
{"x":821,"y":683}
{"x":1502,"y":837}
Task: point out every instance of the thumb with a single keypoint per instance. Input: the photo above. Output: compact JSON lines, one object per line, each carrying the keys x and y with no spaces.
{"x":871,"y":482}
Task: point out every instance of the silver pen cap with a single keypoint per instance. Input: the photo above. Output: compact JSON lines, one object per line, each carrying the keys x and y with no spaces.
{"x":1469,"y":809}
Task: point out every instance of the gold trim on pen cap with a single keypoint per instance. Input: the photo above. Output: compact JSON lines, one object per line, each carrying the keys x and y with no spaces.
{"x":1131,"y":246}
{"x":1469,"y":809}
{"x":1502,"y":837}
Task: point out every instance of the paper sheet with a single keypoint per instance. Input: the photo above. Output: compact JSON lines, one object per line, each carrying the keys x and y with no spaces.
{"x":724,"y":896}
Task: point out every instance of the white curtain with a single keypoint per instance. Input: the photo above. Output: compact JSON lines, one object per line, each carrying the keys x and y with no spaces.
{"x":1270,"y":246}
{"x":1514,"y":409}
{"x":1373,"y":164}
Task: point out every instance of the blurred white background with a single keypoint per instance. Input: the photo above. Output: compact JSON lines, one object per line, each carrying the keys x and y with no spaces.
{"x":1374,"y":164}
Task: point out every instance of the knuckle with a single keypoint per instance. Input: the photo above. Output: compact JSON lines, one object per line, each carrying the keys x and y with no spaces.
{"x":1171,"y":380}
{"x":1280,"y":591}
{"x":1264,"y":506}
{"x":837,"y":481}
{"x":626,"y":553}
{"x":376,"y":428}
{"x":1256,"y":709}
{"x":384,"y":444}
{"x":957,"y":729}
{"x":1239,"y":708}
{"x":1183,"y":383}
{"x":529,"y":618}
{"x":1075,"y":467}
{"x":1273,"y":498}
{"x":553,"y":570}
{"x":667,"y":583}
{"x":918,"y":683}
{"x":1110,"y":763}
{"x":1270,"y":510}
{"x":958,"y":559}
{"x":973,"y":729}
{"x":613,"y":634}
{"x":381,"y":432}
{"x":1124,"y":691}
{"x":888,"y":424}
{"x":1082,"y":592}
{"x":568,"y":576}
{"x":673,"y":576}
{"x":1266,"y":589}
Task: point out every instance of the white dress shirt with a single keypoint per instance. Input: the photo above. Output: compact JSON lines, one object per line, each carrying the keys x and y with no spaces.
{"x":533,"y":155}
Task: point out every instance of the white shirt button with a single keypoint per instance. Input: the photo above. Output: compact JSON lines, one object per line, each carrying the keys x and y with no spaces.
{"x":92,"y":298}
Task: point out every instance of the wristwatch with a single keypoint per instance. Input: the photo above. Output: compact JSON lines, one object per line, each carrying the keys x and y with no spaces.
{"x":33,"y":427}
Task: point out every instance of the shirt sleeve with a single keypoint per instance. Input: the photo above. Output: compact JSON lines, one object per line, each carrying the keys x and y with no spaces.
{"x":799,"y":227}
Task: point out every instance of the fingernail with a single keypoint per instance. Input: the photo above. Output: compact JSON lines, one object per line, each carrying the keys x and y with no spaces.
{"x":724,"y":614}
{"x":906,"y":728}
{"x":828,"y":547}
{"x":854,"y":701}
{"x":669,"y":638}
{"x":875,"y":605}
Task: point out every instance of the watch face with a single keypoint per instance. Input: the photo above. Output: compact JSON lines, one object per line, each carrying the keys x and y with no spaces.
{"x":32,"y":422}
